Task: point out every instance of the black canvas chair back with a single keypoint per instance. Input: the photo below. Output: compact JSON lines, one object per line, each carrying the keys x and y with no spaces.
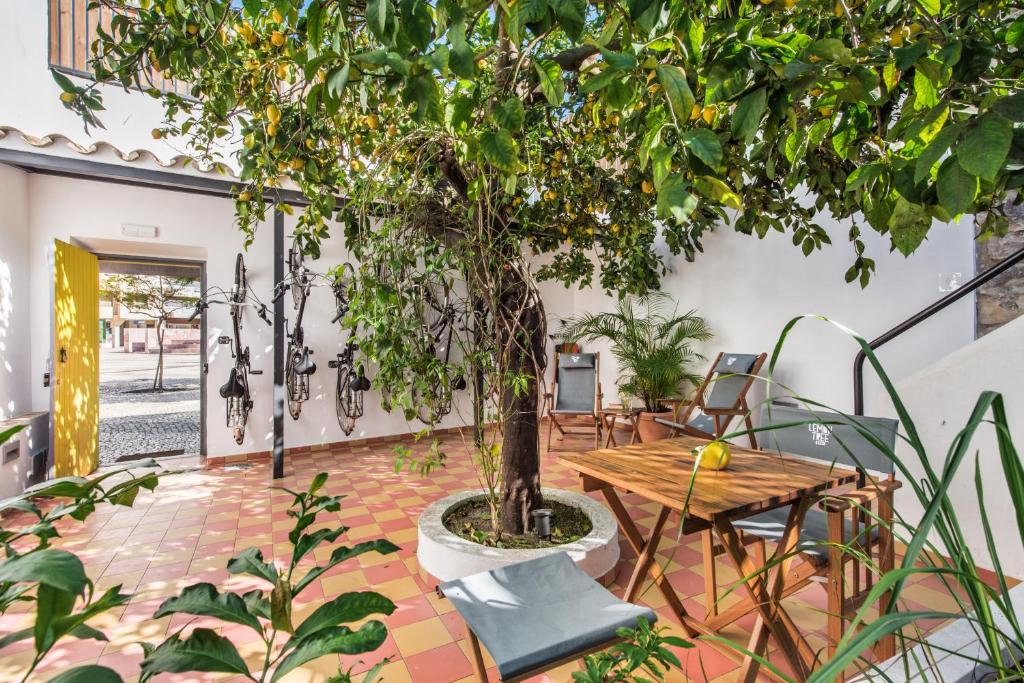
{"x":840,"y":443}
{"x":576,"y":388}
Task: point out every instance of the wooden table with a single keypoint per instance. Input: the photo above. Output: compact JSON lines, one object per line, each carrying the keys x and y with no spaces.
{"x":755,"y":482}
{"x":610,"y":415}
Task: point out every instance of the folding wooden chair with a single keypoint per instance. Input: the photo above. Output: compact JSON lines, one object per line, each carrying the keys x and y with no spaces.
{"x":721,"y":397}
{"x":536,"y":615}
{"x":861,"y":518}
{"x":575,"y":393}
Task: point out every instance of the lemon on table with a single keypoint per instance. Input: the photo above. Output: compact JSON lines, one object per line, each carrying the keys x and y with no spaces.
{"x":714,"y":456}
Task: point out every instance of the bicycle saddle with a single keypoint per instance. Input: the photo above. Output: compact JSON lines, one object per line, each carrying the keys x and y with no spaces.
{"x":233,"y":388}
{"x":305,"y":364}
{"x":362,"y":383}
{"x":459,"y":383}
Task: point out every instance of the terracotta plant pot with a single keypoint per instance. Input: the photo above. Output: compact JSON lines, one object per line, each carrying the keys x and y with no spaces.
{"x":651,"y":430}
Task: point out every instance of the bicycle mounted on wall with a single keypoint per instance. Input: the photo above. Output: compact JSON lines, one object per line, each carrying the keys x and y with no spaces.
{"x":236,"y":390}
{"x":298,"y":363}
{"x":352,"y":381}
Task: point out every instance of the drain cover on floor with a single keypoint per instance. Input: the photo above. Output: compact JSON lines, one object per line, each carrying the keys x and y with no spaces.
{"x":235,"y":468}
{"x":158,"y":454}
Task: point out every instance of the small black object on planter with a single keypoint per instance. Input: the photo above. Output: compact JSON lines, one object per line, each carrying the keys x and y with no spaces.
{"x":542,"y":523}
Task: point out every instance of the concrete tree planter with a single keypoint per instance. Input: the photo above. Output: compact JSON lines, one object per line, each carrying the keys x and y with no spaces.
{"x":446,"y":556}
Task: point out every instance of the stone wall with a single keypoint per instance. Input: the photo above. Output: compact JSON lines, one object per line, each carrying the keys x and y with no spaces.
{"x":1001,"y":300}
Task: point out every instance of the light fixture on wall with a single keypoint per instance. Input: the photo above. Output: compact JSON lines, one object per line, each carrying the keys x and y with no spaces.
{"x":950,"y":281}
{"x":136,"y":230}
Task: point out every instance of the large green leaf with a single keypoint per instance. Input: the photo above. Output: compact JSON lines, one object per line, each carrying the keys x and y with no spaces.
{"x":203,"y":599}
{"x":908,"y":226}
{"x":675,"y":200}
{"x":1012,"y":107}
{"x":677,"y":90}
{"x":551,"y":83}
{"x":500,"y":149}
{"x":204,"y":650}
{"x":345,"y":608}
{"x":250,"y":561}
{"x":571,"y":15}
{"x":380,"y":19}
{"x":934,"y":151}
{"x":510,"y":114}
{"x":530,"y":11}
{"x":90,"y":673}
{"x":52,"y":605}
{"x":417,"y":22}
{"x":423,"y":91}
{"x":747,"y":118}
{"x":341,"y":640}
{"x":57,"y":568}
{"x":461,"y":59}
{"x":704,"y":144}
{"x":957,"y":188}
{"x":718,"y":190}
{"x":985,"y":146}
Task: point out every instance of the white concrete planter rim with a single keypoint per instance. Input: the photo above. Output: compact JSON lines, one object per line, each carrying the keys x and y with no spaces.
{"x":447,"y":556}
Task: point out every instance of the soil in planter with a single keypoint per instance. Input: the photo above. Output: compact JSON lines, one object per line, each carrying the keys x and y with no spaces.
{"x":471,"y":520}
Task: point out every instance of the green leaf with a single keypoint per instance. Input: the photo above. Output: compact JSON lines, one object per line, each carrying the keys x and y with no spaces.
{"x":56,"y":568}
{"x":599,"y":80}
{"x":908,"y":226}
{"x":831,"y":49}
{"x":571,"y":15}
{"x":747,"y":118}
{"x":380,"y":19}
{"x":341,"y":640}
{"x":677,"y":90}
{"x":925,"y":92}
{"x":250,"y":561}
{"x":203,"y":599}
{"x":704,"y":144}
{"x":957,"y":188}
{"x":337,"y":79}
{"x":551,"y":83}
{"x":934,"y":151}
{"x":675,"y":201}
{"x":52,"y":605}
{"x":343,"y":609}
{"x":462,"y":59}
{"x":661,"y":164}
{"x":423,"y":91}
{"x":417,"y":22}
{"x":204,"y":650}
{"x":342,"y":554}
{"x":621,"y":61}
{"x":500,"y":149}
{"x":530,"y":11}
{"x":717,"y":190}
{"x":281,"y":606}
{"x":90,"y":673}
{"x":985,"y":146}
{"x":459,"y":113}
{"x":383,"y":58}
{"x":510,"y":114}
{"x":1012,"y":107}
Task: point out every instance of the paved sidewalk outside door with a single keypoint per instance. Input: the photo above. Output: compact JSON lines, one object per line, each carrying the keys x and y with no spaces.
{"x":134,"y":422}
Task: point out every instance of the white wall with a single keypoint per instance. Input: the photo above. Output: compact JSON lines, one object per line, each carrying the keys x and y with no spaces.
{"x":940,"y":399}
{"x":91,"y":213}
{"x":14,"y":293}
{"x":748,"y":289}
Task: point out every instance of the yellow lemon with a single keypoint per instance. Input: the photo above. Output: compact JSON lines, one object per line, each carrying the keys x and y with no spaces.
{"x":244,"y":196}
{"x":714,"y":456}
{"x":708,"y":114}
{"x":297,"y":164}
{"x":271,"y":129}
{"x":192,"y":29}
{"x":372,"y":121}
{"x":647,"y":186}
{"x":277,"y":38}
{"x":157,"y":133}
{"x":696,"y":112}
{"x":277,"y":17}
{"x":273,"y":114}
{"x":67,"y":97}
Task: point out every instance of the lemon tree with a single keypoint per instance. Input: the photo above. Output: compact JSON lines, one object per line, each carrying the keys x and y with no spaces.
{"x":457,"y":138}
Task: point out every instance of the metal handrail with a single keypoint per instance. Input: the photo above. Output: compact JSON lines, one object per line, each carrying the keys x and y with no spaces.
{"x":957,"y":294}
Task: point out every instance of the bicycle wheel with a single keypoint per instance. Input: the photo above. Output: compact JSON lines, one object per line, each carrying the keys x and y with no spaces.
{"x":293,"y":380}
{"x":343,"y":405}
{"x":241,"y":286}
{"x":299,"y":279}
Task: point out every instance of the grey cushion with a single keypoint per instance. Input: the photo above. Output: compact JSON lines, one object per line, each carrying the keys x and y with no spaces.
{"x":731,"y":377}
{"x":577,"y":384}
{"x":813,"y":535}
{"x":704,"y":423}
{"x":535,"y":613}
{"x":838,"y":443}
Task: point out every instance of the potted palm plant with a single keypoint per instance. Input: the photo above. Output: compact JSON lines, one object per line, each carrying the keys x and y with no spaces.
{"x":653,"y":345}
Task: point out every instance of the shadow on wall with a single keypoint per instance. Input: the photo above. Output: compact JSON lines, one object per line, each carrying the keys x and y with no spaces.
{"x":6,"y":315}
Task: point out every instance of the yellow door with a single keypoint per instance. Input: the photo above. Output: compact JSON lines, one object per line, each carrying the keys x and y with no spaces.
{"x":76,"y":377}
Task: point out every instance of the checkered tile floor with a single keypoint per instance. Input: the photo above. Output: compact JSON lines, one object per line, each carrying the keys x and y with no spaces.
{"x":187,"y":530}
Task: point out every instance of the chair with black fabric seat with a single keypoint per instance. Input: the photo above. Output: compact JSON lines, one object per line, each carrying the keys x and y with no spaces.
{"x":536,"y":615}
{"x":721,"y":397}
{"x":575,"y":393}
{"x":861,"y":518}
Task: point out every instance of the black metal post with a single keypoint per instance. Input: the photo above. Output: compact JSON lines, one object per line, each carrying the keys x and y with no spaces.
{"x":279,"y":344}
{"x":957,"y":294}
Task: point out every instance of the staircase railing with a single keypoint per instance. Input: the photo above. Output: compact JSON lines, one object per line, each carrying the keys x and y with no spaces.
{"x":954,"y":296}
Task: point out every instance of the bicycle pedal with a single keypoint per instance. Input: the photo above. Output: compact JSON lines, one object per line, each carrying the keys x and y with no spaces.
{"x":333,"y":364}
{"x":224,"y":340}
{"x":255,"y":372}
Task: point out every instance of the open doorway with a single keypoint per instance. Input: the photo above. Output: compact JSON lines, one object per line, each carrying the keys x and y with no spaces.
{"x":151,"y":359}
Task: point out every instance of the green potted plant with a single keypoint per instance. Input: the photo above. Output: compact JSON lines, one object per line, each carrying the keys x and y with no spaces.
{"x":653,"y":346}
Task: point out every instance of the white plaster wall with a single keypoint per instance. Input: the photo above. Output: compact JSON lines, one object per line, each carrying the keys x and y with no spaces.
{"x":14,"y":293}
{"x":30,"y":102}
{"x":748,"y":289}
{"x":199,"y":227}
{"x":940,"y":399}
